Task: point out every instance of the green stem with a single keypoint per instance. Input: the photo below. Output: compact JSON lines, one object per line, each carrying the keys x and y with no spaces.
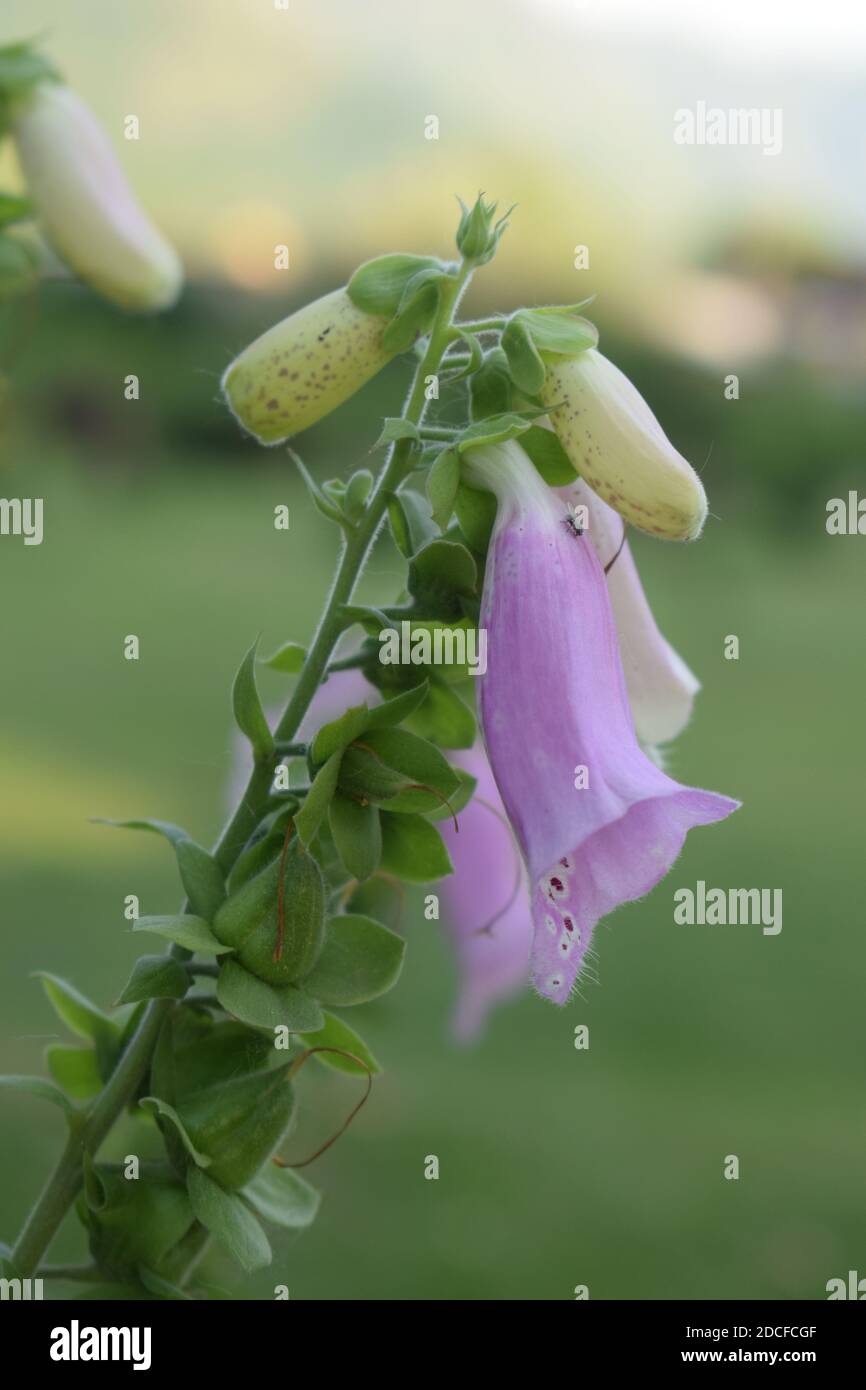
{"x":64,"y":1183}
{"x":491,"y":325}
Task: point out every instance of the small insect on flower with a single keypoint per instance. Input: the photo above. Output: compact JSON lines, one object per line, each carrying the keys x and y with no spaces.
{"x":576,"y":519}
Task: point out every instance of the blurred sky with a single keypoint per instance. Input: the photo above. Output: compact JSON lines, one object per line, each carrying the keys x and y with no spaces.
{"x":305,"y":126}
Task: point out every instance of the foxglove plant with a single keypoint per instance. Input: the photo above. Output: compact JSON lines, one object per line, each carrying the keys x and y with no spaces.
{"x":373,"y":776}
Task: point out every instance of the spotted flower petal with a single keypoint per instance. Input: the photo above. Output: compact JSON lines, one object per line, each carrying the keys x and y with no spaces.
{"x":553,"y":703}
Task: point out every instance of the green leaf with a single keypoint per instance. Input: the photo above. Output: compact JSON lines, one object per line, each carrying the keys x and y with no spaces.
{"x":357,"y":492}
{"x":261,"y":1005}
{"x":251,"y":921}
{"x":282,"y":1197}
{"x":445,"y":564}
{"x":364,"y":776}
{"x":476,"y":358}
{"x":339,"y":733}
{"x":328,"y":509}
{"x":444,"y":718}
{"x":77,"y":1012}
{"x":524,"y":360}
{"x":394,"y":428}
{"x":554,"y":331}
{"x":476,"y":515}
{"x":443,"y":480}
{"x":490,"y":389}
{"x":360,"y":960}
{"x":21,"y":66}
{"x":357,"y":836}
{"x":229,"y":1221}
{"x":411,"y":523}
{"x":415,"y":312}
{"x":318,"y":799}
{"x":191,"y":932}
{"x":249,"y":715}
{"x":419,"y":762}
{"x":289,"y":658}
{"x":339,"y":1035}
{"x":75,"y":1069}
{"x":494,"y":430}
{"x":14,"y":209}
{"x":548,"y":455}
{"x":199,"y":873}
{"x":413,"y":849}
{"x":378,"y":285}
{"x":38,"y":1086}
{"x":371,"y":619}
{"x":168,"y":1112}
{"x":458,"y":799}
{"x":395,"y":710}
{"x":155,"y":977}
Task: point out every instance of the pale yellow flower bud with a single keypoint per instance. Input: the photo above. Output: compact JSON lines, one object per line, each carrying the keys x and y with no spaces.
{"x":85,"y":205}
{"x":620,"y":449}
{"x":304,"y":367}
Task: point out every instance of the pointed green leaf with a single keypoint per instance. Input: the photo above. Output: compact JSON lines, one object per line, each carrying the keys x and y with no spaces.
{"x":443,"y":480}
{"x":394,"y":428}
{"x":476,"y":515}
{"x":444,"y":718}
{"x":338,"y":1034}
{"x":199,"y":873}
{"x":395,"y":710}
{"x":38,"y":1086}
{"x":411,"y":523}
{"x":378,"y":285}
{"x":229,"y":1221}
{"x":490,"y":388}
{"x":318,"y":799}
{"x":249,"y":715}
{"x":155,"y":977}
{"x":551,"y":330}
{"x":357,"y":491}
{"x":339,"y":733}
{"x":524,"y":360}
{"x":548,"y":455}
{"x":360,"y":960}
{"x":193,"y":933}
{"x":413,"y":849}
{"x":75,"y":1069}
{"x":168,"y":1112}
{"x":261,"y":1005}
{"x":328,"y":509}
{"x":282,"y":1197}
{"x":76,"y":1011}
{"x":357,"y":837}
{"x":289,"y":658}
{"x":446,"y":564}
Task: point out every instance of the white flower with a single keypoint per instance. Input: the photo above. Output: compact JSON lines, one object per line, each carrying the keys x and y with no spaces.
{"x":85,"y":205}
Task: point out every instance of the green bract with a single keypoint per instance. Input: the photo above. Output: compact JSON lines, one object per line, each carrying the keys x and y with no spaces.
{"x":249,"y":920}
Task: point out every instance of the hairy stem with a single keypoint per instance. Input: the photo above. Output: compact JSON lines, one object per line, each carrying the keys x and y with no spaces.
{"x":65,"y":1181}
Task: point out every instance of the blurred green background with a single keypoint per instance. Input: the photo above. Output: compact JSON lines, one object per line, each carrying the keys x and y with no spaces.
{"x":558,"y":1167}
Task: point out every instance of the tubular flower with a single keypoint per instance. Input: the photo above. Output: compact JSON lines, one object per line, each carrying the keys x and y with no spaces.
{"x":488,"y":921}
{"x":598,"y":823}
{"x":620,"y":449}
{"x":85,"y":205}
{"x":661,"y":688}
{"x":304,"y":367}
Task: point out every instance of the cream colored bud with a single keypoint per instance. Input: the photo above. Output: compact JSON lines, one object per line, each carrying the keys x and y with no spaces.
{"x":620,"y":449}
{"x":85,"y":205}
{"x":304,"y":367}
